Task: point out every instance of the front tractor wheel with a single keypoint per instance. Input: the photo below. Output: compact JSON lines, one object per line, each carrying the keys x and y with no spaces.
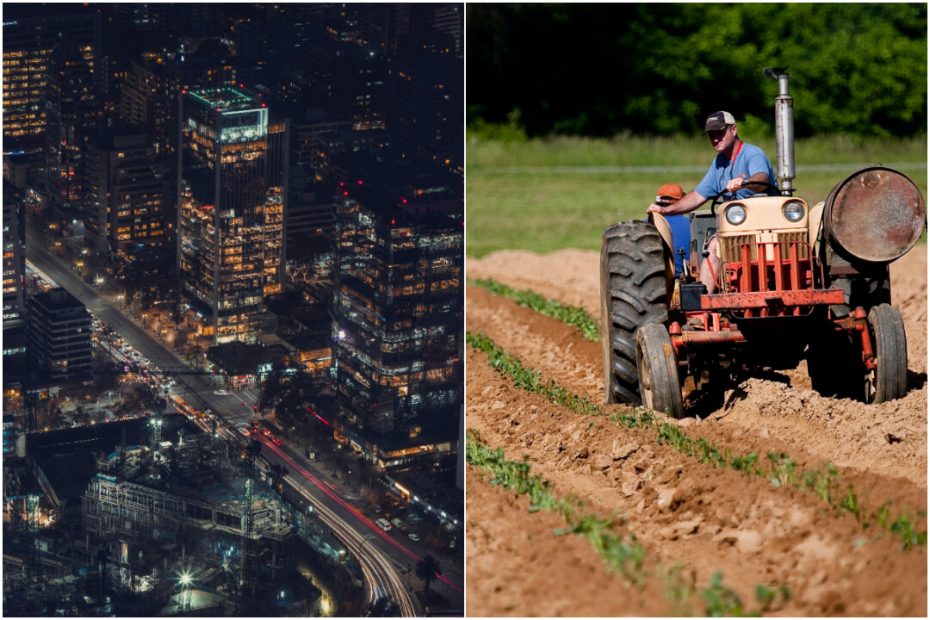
{"x":658,"y":370}
{"x":888,"y":380}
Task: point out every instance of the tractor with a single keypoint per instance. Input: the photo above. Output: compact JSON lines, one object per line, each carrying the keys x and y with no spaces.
{"x":797,"y":282}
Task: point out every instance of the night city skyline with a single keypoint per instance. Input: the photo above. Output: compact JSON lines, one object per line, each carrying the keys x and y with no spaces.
{"x":233,"y":305}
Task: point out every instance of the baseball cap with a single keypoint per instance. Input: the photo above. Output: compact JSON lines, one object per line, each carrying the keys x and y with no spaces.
{"x":673,"y":191}
{"x":718,"y":121}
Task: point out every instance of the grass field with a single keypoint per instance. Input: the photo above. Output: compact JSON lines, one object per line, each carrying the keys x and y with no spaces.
{"x":544,"y":195}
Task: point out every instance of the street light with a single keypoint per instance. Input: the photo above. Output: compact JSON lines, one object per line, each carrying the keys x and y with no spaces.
{"x":185,"y":579}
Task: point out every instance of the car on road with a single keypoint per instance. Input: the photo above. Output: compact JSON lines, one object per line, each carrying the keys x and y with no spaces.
{"x":383,"y":524}
{"x":396,"y":522}
{"x":245,"y":429}
{"x":220,"y":392}
{"x":413,"y":536}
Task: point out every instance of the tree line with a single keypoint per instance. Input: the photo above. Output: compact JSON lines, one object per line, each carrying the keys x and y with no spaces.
{"x":659,"y":69}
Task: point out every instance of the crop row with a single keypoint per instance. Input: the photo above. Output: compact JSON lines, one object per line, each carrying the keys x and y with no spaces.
{"x":778,"y":468}
{"x":622,"y":552}
{"x":572,"y":315}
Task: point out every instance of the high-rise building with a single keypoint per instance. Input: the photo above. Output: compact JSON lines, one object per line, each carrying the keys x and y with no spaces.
{"x":148,"y":99}
{"x":231,"y":192}
{"x":426,"y":95}
{"x":124,"y":198}
{"x":14,"y":270}
{"x":14,"y":253}
{"x":73,"y":115}
{"x":31,"y":34}
{"x":59,"y":335}
{"x":397,"y":313}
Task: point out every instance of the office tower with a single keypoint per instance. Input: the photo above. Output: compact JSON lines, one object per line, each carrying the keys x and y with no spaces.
{"x":14,"y":270}
{"x":148,"y":99}
{"x":124,"y":199}
{"x":59,"y":335}
{"x":231,"y":192}
{"x":14,"y":254}
{"x":426,"y":88}
{"x":31,"y":34}
{"x":73,"y":115}
{"x":397,"y":313}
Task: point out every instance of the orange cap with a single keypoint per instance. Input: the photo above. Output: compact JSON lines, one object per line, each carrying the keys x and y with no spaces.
{"x":670,"y":190}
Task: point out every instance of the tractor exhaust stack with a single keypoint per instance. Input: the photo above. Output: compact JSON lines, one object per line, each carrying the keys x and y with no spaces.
{"x":784,"y":130}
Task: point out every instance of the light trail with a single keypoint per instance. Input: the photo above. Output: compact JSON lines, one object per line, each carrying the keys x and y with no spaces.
{"x":380,"y":576}
{"x":324,"y":487}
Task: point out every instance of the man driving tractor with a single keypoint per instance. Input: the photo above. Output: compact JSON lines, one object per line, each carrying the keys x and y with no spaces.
{"x":736,"y":166}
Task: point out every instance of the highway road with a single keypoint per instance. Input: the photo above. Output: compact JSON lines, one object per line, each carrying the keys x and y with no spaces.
{"x":382,"y":558}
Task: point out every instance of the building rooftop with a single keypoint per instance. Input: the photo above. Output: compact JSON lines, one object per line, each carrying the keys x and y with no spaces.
{"x":226,"y":98}
{"x":238,"y":357}
{"x":58,"y":299}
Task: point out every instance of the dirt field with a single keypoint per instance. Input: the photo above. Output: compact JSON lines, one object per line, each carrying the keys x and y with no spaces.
{"x":685,"y":512}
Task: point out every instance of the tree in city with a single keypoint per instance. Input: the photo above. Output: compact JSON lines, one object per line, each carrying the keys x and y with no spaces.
{"x":427,"y":570}
{"x":287,"y":393}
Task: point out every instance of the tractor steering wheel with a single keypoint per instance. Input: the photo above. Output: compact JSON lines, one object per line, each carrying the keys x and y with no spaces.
{"x":716,"y":199}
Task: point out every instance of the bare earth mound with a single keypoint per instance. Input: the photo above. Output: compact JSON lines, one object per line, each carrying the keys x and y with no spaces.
{"x":685,"y":511}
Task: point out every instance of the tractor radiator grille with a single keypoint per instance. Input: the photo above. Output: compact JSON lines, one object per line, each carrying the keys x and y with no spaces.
{"x":730,"y":247}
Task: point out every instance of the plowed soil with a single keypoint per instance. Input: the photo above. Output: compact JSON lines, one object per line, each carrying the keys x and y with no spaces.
{"x":685,"y":512}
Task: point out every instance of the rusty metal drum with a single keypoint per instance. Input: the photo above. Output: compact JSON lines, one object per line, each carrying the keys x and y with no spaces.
{"x":874,"y":215}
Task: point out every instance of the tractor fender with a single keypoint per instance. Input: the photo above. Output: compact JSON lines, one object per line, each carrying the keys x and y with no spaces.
{"x":815,"y":228}
{"x":665,"y":231}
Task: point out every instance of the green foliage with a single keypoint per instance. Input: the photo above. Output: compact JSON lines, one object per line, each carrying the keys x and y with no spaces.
{"x":576,"y":317}
{"x":858,"y":68}
{"x":905,"y":529}
{"x":719,"y":600}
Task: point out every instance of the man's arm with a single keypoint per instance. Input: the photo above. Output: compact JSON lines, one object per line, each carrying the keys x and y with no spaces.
{"x":688,"y":203}
{"x":738,"y":182}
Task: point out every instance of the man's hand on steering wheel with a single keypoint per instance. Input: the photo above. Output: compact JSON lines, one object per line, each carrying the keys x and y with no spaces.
{"x":733,"y":185}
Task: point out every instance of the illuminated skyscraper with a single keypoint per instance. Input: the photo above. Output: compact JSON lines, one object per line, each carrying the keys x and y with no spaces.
{"x":231,"y":192}
{"x":14,"y":254}
{"x":124,"y":193}
{"x":32,"y":82}
{"x":397,"y":315}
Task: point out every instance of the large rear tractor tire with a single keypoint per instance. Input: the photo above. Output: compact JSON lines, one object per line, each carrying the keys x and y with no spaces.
{"x":633,"y":294}
{"x":889,"y":379}
{"x":658,"y":370}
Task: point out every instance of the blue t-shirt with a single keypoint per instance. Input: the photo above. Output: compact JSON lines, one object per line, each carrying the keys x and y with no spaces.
{"x":749,"y":161}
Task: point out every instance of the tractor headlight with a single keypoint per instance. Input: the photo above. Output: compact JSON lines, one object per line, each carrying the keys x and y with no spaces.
{"x":736,"y":214}
{"x":793,"y":211}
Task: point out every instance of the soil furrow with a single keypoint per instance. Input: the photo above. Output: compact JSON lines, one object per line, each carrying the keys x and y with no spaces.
{"x":887,"y":439}
{"x":706,"y":518}
{"x":507,"y":545}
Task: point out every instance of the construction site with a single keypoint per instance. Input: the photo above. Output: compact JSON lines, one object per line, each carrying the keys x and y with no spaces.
{"x":153,"y":517}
